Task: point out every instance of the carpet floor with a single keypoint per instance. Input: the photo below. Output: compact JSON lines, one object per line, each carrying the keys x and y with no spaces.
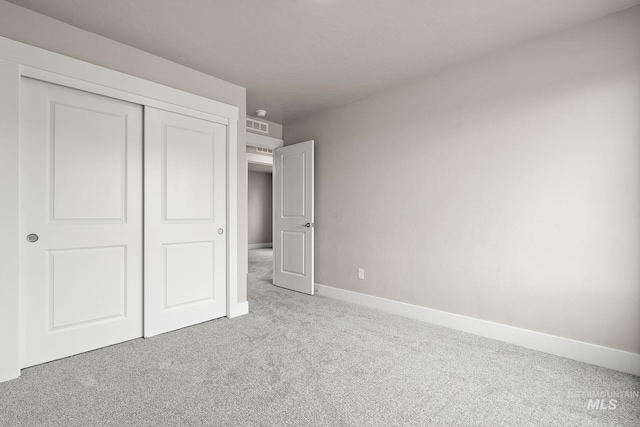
{"x":297,"y":360}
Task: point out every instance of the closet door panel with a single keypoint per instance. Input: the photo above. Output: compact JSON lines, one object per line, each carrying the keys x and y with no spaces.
{"x":81,"y":221}
{"x":185,"y":221}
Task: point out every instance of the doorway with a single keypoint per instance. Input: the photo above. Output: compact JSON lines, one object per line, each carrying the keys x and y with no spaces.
{"x":260,"y":205}
{"x":260,"y":213}
{"x":292,"y":218}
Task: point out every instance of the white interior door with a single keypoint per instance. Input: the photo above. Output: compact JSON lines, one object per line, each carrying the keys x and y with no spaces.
{"x":81,"y":195}
{"x":185,"y":221}
{"x":293,"y":217}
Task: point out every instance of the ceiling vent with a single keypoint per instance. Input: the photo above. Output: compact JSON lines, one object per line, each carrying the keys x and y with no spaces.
{"x":257,"y":126}
{"x":264,"y":150}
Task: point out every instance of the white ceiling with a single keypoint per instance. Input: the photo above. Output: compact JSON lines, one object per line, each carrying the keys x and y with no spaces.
{"x":297,"y":57}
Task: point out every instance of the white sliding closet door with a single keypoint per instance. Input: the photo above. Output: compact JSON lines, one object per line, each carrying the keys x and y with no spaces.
{"x":185,"y":221}
{"x":80,"y":221}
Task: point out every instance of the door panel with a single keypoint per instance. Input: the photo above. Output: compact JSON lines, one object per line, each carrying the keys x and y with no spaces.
{"x":188,"y":175}
{"x":81,"y":193}
{"x":293,"y":217}
{"x":293,"y":185}
{"x":189,"y":273}
{"x":293,"y":244}
{"x":95,"y":151}
{"x":185,"y":221}
{"x":71,"y":270}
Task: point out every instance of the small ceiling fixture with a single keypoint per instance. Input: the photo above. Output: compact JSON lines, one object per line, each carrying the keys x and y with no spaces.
{"x":261,"y":113}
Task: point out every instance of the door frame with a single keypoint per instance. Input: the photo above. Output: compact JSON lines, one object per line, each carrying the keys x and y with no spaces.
{"x":18,"y":60}
{"x":269,"y":142}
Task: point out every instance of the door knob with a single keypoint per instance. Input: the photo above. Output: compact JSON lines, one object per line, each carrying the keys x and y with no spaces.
{"x":220,"y":231}
{"x":32,"y":238}
{"x":308,"y":225}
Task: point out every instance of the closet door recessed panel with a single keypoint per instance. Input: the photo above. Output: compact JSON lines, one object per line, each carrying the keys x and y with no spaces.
{"x":88,"y":152}
{"x":188,"y":174}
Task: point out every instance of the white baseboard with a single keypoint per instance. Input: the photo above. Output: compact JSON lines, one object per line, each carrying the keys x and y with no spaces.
{"x":8,"y":374}
{"x":240,"y":309}
{"x":260,"y":245}
{"x":577,"y":350}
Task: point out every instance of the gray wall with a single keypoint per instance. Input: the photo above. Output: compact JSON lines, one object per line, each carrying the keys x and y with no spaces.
{"x":260,"y":208}
{"x":38,"y":30}
{"x":506,"y":189}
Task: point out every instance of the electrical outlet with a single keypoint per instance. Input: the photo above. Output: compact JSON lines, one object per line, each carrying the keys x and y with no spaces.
{"x":361,"y":273}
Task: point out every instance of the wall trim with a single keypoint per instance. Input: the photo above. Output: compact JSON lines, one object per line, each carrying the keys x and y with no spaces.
{"x":577,"y":350}
{"x":259,"y":159}
{"x":9,"y":220}
{"x":260,"y":245}
{"x":263,"y":141}
{"x":43,"y":64}
{"x":239,"y":309}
